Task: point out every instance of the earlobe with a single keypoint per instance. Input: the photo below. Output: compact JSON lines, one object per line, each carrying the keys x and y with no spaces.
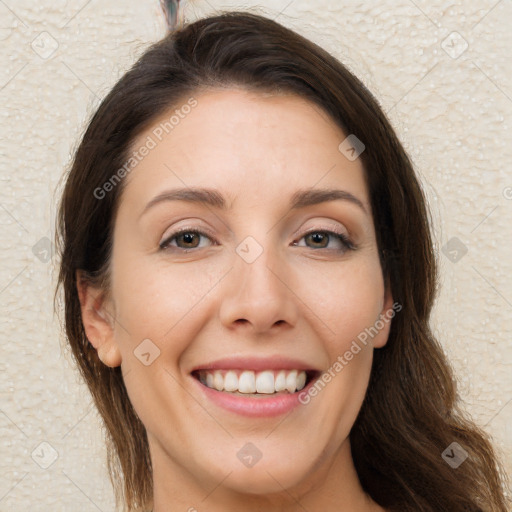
{"x":110,"y":355}
{"x":97,"y":321}
{"x":383,"y":323}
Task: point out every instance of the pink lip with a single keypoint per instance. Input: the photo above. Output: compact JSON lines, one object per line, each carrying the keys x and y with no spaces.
{"x":250,"y":406}
{"x":261,"y":407}
{"x":273,"y":405}
{"x":256,"y":364}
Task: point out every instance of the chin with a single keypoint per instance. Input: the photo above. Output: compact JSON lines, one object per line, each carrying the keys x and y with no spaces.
{"x":265,"y":480}
{"x":270,"y":475}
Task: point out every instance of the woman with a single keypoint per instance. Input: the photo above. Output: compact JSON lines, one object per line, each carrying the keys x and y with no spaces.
{"x":248,"y":275}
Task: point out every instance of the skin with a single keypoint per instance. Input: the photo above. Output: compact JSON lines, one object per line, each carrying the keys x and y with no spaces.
{"x":302,"y":297}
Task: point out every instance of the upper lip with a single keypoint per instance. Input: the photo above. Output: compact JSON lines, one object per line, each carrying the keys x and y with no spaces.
{"x":256,"y":364}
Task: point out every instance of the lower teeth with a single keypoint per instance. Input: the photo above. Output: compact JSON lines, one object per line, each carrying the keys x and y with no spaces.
{"x":258,"y":395}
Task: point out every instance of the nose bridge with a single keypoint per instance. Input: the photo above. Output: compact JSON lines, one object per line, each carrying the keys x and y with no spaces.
{"x":257,"y":264}
{"x":259,"y":294}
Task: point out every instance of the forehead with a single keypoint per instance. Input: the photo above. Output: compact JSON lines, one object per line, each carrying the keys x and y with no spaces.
{"x":251,"y":143}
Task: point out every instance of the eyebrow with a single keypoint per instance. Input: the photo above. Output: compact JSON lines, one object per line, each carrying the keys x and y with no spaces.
{"x":300,"y":199}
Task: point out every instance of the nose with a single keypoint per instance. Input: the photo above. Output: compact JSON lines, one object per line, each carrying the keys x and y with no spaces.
{"x":258,"y":293}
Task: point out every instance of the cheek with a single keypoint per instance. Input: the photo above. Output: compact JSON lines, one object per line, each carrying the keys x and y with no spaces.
{"x":158,"y":301}
{"x":161,"y":303}
{"x":348,"y":301}
{"x":344,"y":300}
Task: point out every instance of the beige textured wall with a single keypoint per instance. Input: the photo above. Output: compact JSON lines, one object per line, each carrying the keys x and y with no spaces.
{"x":441,"y":70}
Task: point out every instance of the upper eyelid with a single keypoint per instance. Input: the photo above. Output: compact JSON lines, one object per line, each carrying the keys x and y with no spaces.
{"x":206,"y":231}
{"x":331,"y":224}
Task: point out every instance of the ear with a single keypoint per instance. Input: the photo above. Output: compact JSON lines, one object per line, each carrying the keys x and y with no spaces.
{"x":98,"y":322}
{"x":383,"y":323}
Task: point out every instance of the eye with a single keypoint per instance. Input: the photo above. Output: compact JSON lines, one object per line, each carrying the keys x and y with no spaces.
{"x":320,"y":238}
{"x":189,"y":237}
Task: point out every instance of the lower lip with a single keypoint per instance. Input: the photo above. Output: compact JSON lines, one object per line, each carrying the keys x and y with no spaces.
{"x":254,"y":407}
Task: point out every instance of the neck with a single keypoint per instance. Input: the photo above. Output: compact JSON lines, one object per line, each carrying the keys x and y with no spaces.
{"x":333,"y":485}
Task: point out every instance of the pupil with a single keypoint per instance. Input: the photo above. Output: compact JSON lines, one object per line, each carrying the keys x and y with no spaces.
{"x":187,"y":237}
{"x":316,"y":236}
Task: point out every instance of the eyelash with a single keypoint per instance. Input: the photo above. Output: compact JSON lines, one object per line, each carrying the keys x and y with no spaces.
{"x":344,"y":239}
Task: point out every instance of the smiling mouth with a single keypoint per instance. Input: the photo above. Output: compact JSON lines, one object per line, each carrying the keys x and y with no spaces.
{"x":256,"y":383}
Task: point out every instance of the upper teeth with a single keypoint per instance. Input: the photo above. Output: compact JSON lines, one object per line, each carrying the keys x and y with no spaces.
{"x":248,"y":381}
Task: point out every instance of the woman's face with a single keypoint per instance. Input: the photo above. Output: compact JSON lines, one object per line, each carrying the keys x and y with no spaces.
{"x":254,"y":291}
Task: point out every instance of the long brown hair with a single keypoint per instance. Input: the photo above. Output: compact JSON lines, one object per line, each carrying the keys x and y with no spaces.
{"x":410,"y":413}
